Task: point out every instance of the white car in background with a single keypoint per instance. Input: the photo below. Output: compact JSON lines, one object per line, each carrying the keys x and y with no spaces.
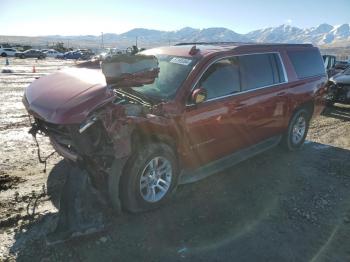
{"x":7,"y":51}
{"x":52,"y":53}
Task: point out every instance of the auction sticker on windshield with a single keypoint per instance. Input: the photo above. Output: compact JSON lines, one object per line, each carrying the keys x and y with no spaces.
{"x":180,"y":61}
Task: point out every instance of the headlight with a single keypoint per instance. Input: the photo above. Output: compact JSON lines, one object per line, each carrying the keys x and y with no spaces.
{"x":89,"y":122}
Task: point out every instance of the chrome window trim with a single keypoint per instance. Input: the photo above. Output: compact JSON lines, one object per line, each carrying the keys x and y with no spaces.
{"x":243,"y":92}
{"x":246,"y":91}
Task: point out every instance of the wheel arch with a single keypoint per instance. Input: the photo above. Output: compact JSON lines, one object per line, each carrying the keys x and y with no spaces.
{"x":309,"y":106}
{"x":141,"y":138}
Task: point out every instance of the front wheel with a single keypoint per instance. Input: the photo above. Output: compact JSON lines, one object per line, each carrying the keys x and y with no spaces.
{"x":298,"y":127}
{"x":149,"y":178}
{"x":3,"y":54}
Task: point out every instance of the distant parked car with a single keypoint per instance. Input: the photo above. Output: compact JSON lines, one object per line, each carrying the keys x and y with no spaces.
{"x":4,"y":52}
{"x":53,"y":53}
{"x":329,"y":63}
{"x":31,"y":53}
{"x":72,"y":55}
{"x":86,"y":54}
{"x":339,"y":88}
{"x":341,"y":65}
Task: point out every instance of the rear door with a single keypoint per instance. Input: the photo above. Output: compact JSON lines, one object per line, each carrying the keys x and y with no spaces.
{"x":264,"y":97}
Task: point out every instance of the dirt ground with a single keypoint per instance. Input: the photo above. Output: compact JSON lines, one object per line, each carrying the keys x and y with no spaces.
{"x":277,"y":206}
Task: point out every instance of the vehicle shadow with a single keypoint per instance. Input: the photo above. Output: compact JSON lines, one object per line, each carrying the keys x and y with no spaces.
{"x":337,"y":111}
{"x":277,"y":206}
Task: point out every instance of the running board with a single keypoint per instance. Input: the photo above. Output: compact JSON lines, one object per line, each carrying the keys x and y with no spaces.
{"x":191,"y":176}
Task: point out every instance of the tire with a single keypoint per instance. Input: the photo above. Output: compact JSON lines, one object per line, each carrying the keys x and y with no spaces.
{"x":4,"y":55}
{"x":56,"y":181}
{"x":22,"y":56}
{"x":297,"y":130}
{"x":136,"y":194}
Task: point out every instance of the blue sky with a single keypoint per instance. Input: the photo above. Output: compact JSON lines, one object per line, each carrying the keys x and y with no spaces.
{"x":75,"y":17}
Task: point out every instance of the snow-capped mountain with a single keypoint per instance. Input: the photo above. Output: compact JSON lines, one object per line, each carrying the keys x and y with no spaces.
{"x":320,"y":35}
{"x":323,"y":34}
{"x":186,"y":34}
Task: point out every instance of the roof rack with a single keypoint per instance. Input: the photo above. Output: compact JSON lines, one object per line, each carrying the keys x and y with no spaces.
{"x":212,"y":43}
{"x":241,"y":43}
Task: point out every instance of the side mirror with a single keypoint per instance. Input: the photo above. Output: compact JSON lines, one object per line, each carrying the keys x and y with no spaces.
{"x":199,"y":95}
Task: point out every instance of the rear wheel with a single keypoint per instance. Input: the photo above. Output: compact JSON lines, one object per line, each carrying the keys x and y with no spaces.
{"x":149,"y":178}
{"x":297,"y":130}
{"x":3,"y":54}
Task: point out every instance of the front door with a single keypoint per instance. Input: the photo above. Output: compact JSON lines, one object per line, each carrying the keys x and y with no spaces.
{"x":208,"y":125}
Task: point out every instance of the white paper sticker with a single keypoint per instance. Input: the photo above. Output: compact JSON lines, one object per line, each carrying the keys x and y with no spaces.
{"x":180,"y":61}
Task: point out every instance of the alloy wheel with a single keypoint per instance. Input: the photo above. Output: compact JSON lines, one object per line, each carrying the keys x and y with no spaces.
{"x":156,"y":179}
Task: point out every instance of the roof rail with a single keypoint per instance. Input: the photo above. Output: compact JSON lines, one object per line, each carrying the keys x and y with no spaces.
{"x":241,"y":43}
{"x":212,"y":43}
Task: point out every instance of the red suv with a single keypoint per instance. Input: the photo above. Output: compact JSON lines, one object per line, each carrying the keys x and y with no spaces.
{"x":209,"y":107}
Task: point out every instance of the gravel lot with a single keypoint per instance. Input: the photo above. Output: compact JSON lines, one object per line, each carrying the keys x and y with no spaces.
{"x":277,"y":206}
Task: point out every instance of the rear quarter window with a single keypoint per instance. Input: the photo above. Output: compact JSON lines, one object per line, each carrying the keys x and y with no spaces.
{"x":307,"y":63}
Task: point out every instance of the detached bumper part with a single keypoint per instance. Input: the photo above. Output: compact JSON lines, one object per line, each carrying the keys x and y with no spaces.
{"x":83,"y":209}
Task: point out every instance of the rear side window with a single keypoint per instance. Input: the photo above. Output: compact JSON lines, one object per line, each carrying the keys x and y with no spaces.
{"x":221,"y":79}
{"x":260,"y":70}
{"x":242,"y":73}
{"x":307,"y":63}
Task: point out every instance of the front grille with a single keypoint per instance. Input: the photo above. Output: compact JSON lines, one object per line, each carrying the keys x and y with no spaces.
{"x":345,"y":86}
{"x":343,"y":93}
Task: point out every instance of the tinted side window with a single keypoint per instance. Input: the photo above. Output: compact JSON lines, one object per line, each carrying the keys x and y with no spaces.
{"x":258,"y":71}
{"x":222,"y":78}
{"x":307,"y":63}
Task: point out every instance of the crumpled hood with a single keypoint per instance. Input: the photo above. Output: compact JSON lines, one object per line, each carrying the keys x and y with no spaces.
{"x":68,"y":96}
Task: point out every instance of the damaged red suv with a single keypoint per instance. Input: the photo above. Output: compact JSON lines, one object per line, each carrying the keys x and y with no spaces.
{"x":193,"y":110}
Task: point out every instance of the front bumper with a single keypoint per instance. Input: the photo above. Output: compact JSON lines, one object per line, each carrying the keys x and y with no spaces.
{"x":59,"y":137}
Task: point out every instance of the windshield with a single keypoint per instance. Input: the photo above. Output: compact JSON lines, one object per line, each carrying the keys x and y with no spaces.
{"x":173,"y":70}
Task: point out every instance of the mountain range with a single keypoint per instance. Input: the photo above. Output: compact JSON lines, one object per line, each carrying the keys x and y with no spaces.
{"x":324,"y":34}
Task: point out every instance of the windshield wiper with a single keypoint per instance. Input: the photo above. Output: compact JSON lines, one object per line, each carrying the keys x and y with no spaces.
{"x":131,"y":91}
{"x":137,"y":98}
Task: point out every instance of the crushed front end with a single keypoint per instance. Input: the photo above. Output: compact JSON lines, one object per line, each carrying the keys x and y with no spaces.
{"x":90,"y":124}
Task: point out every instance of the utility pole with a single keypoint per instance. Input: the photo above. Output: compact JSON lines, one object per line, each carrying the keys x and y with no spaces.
{"x":136,"y":40}
{"x":102,"y":44}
